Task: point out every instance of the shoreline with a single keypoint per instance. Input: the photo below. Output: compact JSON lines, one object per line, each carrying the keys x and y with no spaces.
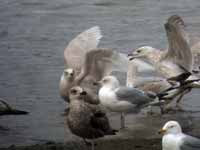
{"x":101,"y":144}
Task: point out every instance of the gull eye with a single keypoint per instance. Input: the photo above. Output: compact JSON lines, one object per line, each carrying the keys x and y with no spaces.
{"x":73,"y":91}
{"x":138,"y":51}
{"x":171,"y":126}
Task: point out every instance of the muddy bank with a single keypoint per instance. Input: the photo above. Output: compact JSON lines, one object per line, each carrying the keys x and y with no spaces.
{"x":117,"y":144}
{"x":141,"y":133}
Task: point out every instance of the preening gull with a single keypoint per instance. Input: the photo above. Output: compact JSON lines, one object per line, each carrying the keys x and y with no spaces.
{"x":178,"y":58}
{"x":85,"y":63}
{"x":86,"y":120}
{"x":175,"y":139}
{"x":122,"y":98}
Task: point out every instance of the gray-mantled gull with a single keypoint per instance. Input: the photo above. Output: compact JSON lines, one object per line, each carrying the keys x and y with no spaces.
{"x":89,"y":63}
{"x":150,"y":84}
{"x":178,"y":58}
{"x":154,"y":84}
{"x":86,"y":120}
{"x":175,"y":139}
{"x":122,"y":99}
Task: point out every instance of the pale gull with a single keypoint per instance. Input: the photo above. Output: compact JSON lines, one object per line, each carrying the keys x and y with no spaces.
{"x":175,"y":139}
{"x":122,"y":99}
{"x":178,"y":58}
{"x":86,"y":120}
{"x":85,"y":63}
{"x":153,"y":84}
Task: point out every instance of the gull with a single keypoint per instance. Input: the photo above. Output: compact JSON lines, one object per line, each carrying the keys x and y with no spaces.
{"x":86,"y":120}
{"x":150,"y":84}
{"x":85,"y":63}
{"x":122,"y":99}
{"x":154,"y":84}
{"x":178,"y":58}
{"x":175,"y":139}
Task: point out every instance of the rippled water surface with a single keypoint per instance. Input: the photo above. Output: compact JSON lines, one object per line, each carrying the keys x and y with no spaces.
{"x":33,"y":35}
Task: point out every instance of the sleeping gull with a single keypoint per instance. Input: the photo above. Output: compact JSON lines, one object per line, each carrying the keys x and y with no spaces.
{"x":122,"y":98}
{"x":85,"y":63}
{"x":86,"y":120}
{"x":175,"y":139}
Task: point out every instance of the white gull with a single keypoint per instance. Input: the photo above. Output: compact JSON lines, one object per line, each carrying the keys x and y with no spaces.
{"x":175,"y":139}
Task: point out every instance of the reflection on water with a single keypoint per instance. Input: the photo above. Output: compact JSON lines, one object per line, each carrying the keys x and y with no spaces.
{"x":33,"y":35}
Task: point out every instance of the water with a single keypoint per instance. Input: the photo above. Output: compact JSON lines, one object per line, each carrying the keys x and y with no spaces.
{"x":33,"y":35}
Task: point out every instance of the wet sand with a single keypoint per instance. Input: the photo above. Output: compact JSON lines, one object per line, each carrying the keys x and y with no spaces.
{"x":33,"y":35}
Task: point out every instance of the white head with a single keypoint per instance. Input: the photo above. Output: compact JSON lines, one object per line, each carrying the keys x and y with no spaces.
{"x":110,"y":81}
{"x":69,"y":73}
{"x":142,"y":52}
{"x":171,"y":127}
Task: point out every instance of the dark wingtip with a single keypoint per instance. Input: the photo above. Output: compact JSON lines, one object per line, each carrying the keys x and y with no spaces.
{"x":131,"y":58}
{"x":129,"y":55}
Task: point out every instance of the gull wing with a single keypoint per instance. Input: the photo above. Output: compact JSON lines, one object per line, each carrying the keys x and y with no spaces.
{"x":101,"y":62}
{"x":179,"y":50}
{"x":190,"y":143}
{"x":132,"y":95}
{"x":76,"y":50}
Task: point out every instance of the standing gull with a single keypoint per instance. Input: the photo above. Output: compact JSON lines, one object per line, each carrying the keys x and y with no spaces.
{"x":158,"y":84}
{"x":149,"y":84}
{"x":121,"y":98}
{"x":85,"y":63}
{"x":178,"y":58}
{"x":175,"y":139}
{"x":86,"y":120}
{"x":75,"y":55}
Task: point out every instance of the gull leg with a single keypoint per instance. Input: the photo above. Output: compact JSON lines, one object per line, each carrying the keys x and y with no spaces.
{"x":162,"y":111}
{"x":86,"y":142}
{"x":122,"y":121}
{"x":181,"y":96}
{"x":92,"y":142}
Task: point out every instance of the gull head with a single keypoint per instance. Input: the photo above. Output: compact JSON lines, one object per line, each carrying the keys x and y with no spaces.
{"x":110,"y":82}
{"x":77,"y":93}
{"x":69,"y":73}
{"x":171,"y":127}
{"x":141,"y":52}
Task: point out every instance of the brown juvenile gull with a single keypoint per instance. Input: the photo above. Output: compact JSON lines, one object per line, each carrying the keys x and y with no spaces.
{"x":175,"y":139}
{"x":86,"y":120}
{"x":85,"y":63}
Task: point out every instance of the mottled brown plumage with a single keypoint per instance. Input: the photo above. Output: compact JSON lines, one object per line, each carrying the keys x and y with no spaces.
{"x":86,"y":120}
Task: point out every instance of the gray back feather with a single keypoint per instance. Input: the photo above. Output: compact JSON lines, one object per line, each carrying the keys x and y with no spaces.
{"x":132,"y":95}
{"x":190,"y":143}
